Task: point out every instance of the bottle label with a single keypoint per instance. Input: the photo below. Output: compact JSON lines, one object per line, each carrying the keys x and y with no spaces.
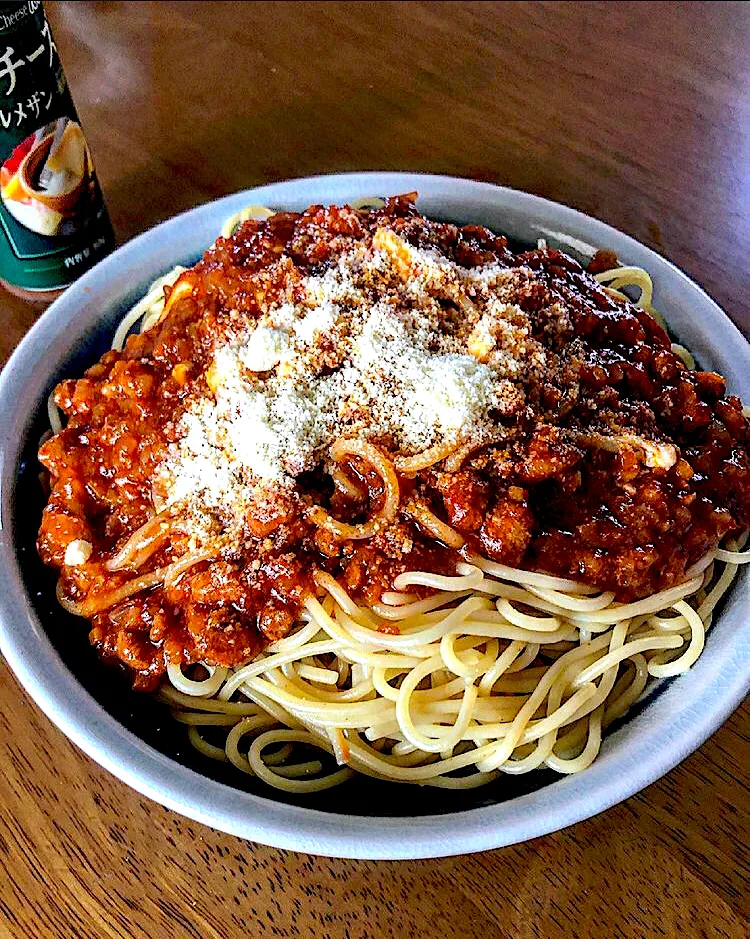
{"x":53,"y":221}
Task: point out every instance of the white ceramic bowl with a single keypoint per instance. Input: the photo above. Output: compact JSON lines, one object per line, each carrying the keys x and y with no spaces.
{"x":135,"y":740}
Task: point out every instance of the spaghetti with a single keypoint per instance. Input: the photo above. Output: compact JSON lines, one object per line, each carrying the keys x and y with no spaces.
{"x":457,"y":688}
{"x":409,"y":644}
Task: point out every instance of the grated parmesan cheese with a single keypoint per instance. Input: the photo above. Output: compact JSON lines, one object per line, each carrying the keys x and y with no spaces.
{"x":77,"y":552}
{"x":365,"y":352}
{"x":264,"y":349}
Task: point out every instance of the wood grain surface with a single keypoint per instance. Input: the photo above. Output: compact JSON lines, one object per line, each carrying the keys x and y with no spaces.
{"x":637,"y":113}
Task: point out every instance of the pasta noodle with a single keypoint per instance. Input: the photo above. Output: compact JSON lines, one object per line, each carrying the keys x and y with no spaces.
{"x":583,"y":688}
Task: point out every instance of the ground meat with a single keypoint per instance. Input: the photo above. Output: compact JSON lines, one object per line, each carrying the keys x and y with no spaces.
{"x":615,"y":465}
{"x":506,"y":532}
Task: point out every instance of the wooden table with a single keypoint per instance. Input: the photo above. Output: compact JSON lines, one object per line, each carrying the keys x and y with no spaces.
{"x":636,"y":113}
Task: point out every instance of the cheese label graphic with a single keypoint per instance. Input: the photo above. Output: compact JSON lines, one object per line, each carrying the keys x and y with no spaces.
{"x":53,"y":222}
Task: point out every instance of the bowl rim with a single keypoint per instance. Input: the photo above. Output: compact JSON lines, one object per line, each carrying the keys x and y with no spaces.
{"x":718,"y":682}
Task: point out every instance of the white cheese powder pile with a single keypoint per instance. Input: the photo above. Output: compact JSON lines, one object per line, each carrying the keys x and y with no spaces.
{"x":366,"y":354}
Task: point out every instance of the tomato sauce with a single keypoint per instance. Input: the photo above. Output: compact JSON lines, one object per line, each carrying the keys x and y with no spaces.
{"x":544,"y":498}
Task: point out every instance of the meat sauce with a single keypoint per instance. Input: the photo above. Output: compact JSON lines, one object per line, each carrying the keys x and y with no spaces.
{"x":542,"y":498}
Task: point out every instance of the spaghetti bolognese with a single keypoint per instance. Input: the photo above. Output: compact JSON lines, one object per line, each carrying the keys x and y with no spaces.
{"x":373,"y":487}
